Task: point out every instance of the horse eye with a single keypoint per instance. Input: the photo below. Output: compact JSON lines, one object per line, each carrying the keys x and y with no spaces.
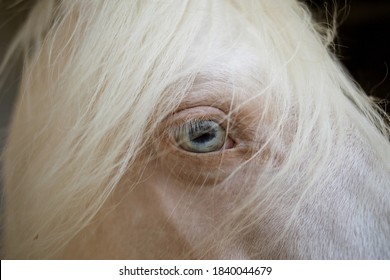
{"x":200,"y":136}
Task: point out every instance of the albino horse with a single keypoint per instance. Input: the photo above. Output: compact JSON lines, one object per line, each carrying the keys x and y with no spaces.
{"x":219,"y":129}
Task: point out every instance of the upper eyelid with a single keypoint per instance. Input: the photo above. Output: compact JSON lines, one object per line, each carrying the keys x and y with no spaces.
{"x":195,"y":113}
{"x":232,"y":109}
{"x":215,"y":102}
{"x":235,"y":124}
{"x":222,"y":100}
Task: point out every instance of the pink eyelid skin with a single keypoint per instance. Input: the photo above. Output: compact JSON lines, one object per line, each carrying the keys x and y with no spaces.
{"x":229,"y":144}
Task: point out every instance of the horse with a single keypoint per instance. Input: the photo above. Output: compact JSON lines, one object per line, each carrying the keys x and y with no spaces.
{"x":191,"y":129}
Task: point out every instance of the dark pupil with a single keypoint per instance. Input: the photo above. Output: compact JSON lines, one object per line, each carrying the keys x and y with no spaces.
{"x":204,"y":137}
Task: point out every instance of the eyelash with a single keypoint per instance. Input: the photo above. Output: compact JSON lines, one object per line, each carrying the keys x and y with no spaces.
{"x":193,"y":125}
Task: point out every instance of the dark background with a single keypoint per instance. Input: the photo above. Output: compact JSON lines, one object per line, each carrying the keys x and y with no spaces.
{"x":363,"y":41}
{"x":362,"y":44}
